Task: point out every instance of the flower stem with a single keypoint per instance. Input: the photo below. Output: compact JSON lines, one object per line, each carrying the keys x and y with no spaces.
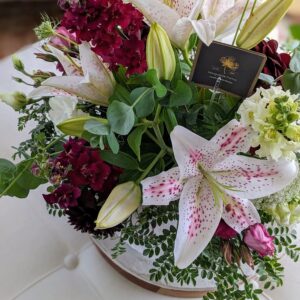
{"x":253,"y":7}
{"x":240,"y":23}
{"x":160,"y":155}
{"x":66,"y":39}
{"x":185,"y":54}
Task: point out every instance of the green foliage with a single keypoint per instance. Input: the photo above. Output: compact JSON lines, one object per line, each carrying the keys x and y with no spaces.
{"x":55,"y":211}
{"x":122,"y":160}
{"x":295,"y":31}
{"x":135,"y":140}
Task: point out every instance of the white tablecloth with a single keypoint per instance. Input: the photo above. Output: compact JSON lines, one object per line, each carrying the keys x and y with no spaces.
{"x":35,"y":248}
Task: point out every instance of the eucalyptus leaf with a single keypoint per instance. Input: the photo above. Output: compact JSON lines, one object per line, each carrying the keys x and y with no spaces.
{"x":295,"y":62}
{"x":96,"y":128}
{"x":182,"y":95}
{"x":135,"y":140}
{"x":113,"y":143}
{"x":291,"y":81}
{"x":143,"y":101}
{"x":121,"y":117}
{"x":122,"y":160}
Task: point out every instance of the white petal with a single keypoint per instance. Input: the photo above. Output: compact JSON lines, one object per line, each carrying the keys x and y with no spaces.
{"x":95,"y":71}
{"x":190,"y":150}
{"x":227,"y":22}
{"x":157,"y":12}
{"x":232,"y":138}
{"x":185,"y":7}
{"x":252,"y":178}
{"x":62,"y":108}
{"x":239,"y":214}
{"x":74,"y":86}
{"x":199,"y":217}
{"x":46,"y":91}
{"x":181,"y":32}
{"x":215,"y":8}
{"x":68,"y":66}
{"x":205,"y":29}
{"x":163,"y":188}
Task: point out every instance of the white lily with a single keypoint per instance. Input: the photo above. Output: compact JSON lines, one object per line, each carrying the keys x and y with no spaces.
{"x":213,"y":182}
{"x":63,"y":108}
{"x":91,"y":82}
{"x":179,"y":18}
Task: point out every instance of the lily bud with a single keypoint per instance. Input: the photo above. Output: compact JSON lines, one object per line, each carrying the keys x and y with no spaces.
{"x":16,"y":100}
{"x":227,"y":252}
{"x":75,"y":126}
{"x":262,"y":22}
{"x":246,"y":256}
{"x":160,"y":54}
{"x":18,"y":64}
{"x":121,"y":203}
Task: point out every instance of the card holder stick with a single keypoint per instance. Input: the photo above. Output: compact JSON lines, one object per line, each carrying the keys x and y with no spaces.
{"x":215,"y":90}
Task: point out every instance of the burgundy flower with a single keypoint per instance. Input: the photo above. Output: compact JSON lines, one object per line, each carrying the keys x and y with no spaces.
{"x":65,"y":196}
{"x":257,"y":238}
{"x":225,"y":232}
{"x":111,"y":26}
{"x":276,"y":63}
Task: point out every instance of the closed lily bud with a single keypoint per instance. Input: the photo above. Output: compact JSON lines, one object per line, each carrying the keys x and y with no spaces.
{"x":75,"y":126}
{"x":18,"y":64}
{"x":262,"y":22}
{"x":160,"y":54}
{"x":16,"y":100}
{"x":121,"y":203}
{"x":246,"y":256}
{"x":227,"y":252}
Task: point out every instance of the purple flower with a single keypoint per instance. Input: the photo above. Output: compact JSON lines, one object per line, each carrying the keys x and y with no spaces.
{"x":65,"y":196}
{"x":257,"y":238}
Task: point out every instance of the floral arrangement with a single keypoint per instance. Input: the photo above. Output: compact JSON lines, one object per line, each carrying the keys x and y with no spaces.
{"x":128,"y":144}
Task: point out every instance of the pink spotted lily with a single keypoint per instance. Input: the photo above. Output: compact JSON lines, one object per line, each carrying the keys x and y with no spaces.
{"x":91,"y":81}
{"x":179,"y":18}
{"x":214,"y":182}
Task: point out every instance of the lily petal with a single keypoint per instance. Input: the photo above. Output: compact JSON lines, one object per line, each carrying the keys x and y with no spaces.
{"x":69,"y":67}
{"x":187,"y":8}
{"x":199,"y":216}
{"x":251,"y":178}
{"x":205,"y":29}
{"x":163,"y":188}
{"x":74,"y":86}
{"x":231,"y":139}
{"x":46,"y":91}
{"x":215,"y":8}
{"x":156,"y":11}
{"x":190,"y":149}
{"x":228,"y":21}
{"x":95,"y":71}
{"x":239,"y":214}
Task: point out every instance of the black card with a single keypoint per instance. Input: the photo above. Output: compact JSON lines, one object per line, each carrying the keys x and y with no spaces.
{"x":228,"y":68}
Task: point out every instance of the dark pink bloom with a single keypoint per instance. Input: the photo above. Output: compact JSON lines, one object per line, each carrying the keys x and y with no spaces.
{"x":65,"y":196}
{"x":225,"y":232}
{"x":114,"y":29}
{"x":258,"y":239}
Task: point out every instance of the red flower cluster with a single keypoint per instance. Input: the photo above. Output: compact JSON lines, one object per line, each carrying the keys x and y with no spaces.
{"x":79,"y":167}
{"x":276,"y":63}
{"x":115,"y":30}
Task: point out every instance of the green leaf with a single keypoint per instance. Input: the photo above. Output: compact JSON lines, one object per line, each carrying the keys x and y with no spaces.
{"x":295,"y":31}
{"x":291,"y":81}
{"x":113,"y":143}
{"x":122,"y":160}
{"x":7,"y":170}
{"x":96,"y":128}
{"x":143,"y":101}
{"x":169,"y":118}
{"x":159,"y":88}
{"x":135,"y":139}
{"x":182,"y":95}
{"x":121,"y":117}
{"x":120,"y":94}
{"x":295,"y":62}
